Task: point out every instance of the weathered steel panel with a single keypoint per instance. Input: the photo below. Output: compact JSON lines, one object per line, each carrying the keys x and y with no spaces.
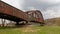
{"x":10,"y":10}
{"x":35,"y":15}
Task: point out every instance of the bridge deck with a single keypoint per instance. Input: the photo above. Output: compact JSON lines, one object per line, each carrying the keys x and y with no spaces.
{"x":11,"y":12}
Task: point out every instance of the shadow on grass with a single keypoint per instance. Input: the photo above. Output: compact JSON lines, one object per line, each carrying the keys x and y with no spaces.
{"x":10,"y":27}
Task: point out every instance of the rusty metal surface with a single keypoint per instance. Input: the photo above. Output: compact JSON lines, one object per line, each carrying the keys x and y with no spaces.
{"x":33,"y":15}
{"x":10,"y":10}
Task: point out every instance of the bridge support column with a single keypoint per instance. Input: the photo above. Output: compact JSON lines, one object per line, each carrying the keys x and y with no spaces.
{"x":3,"y":22}
{"x":26,"y":22}
{"x":17,"y":23}
{"x":42,"y":24}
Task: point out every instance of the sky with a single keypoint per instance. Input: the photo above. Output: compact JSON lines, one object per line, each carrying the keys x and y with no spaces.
{"x":49,"y":8}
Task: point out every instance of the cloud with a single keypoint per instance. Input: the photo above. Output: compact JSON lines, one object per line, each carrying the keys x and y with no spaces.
{"x":15,"y":3}
{"x":49,"y":1}
{"x":49,"y":8}
{"x":39,"y":4}
{"x":31,"y":8}
{"x":52,"y":12}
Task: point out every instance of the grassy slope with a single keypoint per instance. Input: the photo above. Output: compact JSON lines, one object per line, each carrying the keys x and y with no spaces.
{"x":31,"y":30}
{"x":36,"y":29}
{"x":53,"y":21}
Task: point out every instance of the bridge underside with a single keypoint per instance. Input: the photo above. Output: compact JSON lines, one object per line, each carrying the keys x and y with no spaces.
{"x":9,"y":17}
{"x":15,"y":19}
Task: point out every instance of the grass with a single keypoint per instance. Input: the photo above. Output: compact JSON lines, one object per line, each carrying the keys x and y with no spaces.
{"x":31,"y":30}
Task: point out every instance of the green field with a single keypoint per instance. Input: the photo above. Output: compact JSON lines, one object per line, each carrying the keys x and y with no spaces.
{"x":31,"y":30}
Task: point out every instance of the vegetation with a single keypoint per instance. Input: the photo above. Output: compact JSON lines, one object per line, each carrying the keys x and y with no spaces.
{"x":34,"y":29}
{"x":53,"y":22}
{"x":31,"y":29}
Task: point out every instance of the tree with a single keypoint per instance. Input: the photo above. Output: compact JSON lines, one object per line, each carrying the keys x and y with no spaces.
{"x":3,"y":22}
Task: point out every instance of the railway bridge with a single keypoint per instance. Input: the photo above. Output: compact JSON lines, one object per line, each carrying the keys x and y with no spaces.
{"x":11,"y":13}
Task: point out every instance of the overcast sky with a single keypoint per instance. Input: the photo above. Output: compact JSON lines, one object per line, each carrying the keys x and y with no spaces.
{"x":49,"y":8}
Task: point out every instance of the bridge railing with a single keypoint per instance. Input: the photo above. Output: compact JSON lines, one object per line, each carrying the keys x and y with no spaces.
{"x":10,"y":10}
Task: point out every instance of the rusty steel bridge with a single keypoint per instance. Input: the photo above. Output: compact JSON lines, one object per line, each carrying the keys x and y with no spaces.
{"x":11,"y":13}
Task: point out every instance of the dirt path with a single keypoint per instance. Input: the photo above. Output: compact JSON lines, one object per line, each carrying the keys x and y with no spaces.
{"x":28,"y":29}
